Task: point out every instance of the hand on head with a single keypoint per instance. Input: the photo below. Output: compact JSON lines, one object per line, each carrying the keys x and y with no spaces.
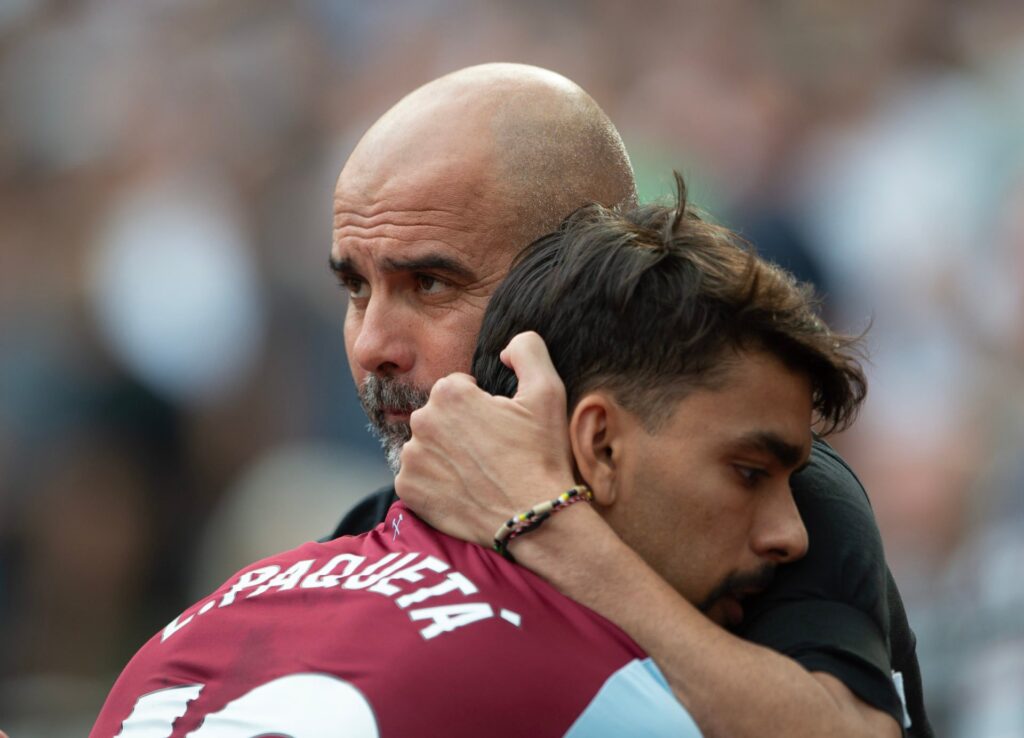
{"x":474,"y":459}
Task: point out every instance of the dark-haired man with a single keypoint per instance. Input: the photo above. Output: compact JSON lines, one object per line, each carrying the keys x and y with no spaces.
{"x":690,"y":433}
{"x":429,"y":211}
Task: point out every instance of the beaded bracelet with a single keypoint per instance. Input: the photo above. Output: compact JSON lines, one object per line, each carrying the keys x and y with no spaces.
{"x":524,"y":522}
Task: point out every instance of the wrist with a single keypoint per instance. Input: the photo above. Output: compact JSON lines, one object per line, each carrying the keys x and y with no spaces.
{"x":532,"y":518}
{"x":568,"y":548}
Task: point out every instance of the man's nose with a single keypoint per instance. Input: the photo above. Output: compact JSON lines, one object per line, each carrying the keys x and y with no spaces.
{"x":385,"y":340}
{"x":780,"y":535}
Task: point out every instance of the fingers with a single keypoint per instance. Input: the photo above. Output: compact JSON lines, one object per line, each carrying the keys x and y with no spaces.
{"x":527,"y":355}
{"x":454,"y":382}
{"x":450,"y":393}
{"x":448,"y":389}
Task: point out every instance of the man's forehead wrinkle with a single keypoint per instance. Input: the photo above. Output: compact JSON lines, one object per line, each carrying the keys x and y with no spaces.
{"x":409,"y":236}
{"x":373,"y":212}
{"x":426,"y":242}
{"x":398,"y":246}
{"x":446,"y":220}
{"x":455,"y":197}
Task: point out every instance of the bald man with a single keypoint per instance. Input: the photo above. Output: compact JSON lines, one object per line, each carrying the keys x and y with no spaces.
{"x":433,"y":204}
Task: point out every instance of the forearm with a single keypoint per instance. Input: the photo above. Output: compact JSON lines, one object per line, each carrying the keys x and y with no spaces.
{"x":730,"y":686}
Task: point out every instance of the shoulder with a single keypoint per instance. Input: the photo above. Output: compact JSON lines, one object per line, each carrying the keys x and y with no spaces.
{"x":836,"y":510}
{"x":829,"y":478}
{"x":830,"y":610}
{"x":403,"y":610}
{"x":845,"y":561}
{"x":837,"y":513}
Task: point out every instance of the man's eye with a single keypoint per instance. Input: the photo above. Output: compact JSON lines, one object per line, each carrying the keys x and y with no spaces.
{"x":750,"y":475}
{"x":430,"y":285}
{"x":355,"y":286}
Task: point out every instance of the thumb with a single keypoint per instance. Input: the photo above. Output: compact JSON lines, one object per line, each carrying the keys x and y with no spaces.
{"x":538,"y":381}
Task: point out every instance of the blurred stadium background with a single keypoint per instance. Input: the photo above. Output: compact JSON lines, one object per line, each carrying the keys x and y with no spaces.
{"x":174,"y":396}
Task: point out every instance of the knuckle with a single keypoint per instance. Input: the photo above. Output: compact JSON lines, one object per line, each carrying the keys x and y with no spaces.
{"x":446,"y":388}
{"x":418,"y":419}
{"x":451,"y":389}
{"x":408,"y":453}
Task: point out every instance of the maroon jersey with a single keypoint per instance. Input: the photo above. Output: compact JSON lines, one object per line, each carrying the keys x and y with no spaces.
{"x":402,"y":631}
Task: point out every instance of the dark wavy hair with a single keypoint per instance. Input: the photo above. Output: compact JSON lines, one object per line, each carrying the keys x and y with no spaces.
{"x":654,"y":302}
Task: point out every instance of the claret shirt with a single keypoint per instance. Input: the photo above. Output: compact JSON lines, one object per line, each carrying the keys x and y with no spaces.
{"x":402,"y":631}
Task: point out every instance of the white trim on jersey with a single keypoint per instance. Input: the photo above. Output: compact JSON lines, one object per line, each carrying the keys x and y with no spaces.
{"x":635,"y":700}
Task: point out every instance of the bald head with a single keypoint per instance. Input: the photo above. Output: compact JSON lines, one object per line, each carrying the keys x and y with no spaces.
{"x":432,"y":206}
{"x":524,"y":144}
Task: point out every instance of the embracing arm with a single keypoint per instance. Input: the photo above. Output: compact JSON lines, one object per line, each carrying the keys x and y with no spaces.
{"x":510,"y":454}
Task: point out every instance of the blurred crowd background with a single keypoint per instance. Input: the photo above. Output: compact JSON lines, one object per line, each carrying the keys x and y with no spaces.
{"x":174,"y":395}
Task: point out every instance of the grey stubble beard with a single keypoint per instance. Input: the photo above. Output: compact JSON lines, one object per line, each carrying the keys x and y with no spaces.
{"x":380,"y":394}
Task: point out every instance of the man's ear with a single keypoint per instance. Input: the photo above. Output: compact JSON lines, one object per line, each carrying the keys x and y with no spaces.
{"x":595,"y":434}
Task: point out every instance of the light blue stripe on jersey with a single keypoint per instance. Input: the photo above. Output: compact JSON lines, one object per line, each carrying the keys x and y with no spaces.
{"x":636,"y":700}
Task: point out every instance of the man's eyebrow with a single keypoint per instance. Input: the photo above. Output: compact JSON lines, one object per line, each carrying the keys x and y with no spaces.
{"x":340,"y":266}
{"x":786,"y":453}
{"x":429,"y":262}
